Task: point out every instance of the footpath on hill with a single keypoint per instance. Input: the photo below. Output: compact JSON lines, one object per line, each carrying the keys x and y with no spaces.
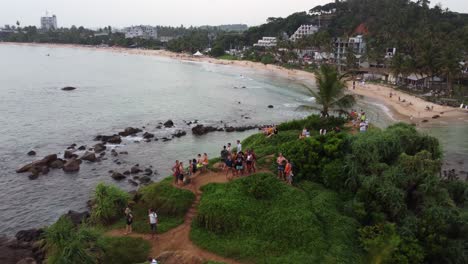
{"x":178,"y":239}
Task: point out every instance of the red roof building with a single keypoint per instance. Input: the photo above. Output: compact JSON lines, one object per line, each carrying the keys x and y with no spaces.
{"x":361,"y":30}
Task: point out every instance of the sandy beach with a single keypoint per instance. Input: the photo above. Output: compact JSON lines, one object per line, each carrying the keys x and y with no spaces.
{"x":409,"y":108}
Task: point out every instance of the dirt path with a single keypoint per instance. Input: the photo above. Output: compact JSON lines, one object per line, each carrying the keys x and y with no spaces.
{"x":178,"y":239}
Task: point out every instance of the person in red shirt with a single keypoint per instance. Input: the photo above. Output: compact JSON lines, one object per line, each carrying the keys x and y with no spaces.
{"x":288,"y":172}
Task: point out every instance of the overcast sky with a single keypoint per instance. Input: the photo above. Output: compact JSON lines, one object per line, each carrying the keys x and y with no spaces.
{"x":119,"y":13}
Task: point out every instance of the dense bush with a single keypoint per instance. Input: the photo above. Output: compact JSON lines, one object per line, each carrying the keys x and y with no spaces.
{"x":70,"y":244}
{"x":124,"y":250}
{"x":109,"y":203}
{"x":275,"y":223}
{"x":166,"y":199}
{"x":313,"y":122}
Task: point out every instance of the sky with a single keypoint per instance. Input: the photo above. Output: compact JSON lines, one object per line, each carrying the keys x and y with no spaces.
{"x":120,"y":13}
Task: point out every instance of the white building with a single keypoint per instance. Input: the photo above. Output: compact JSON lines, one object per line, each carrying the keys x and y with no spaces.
{"x":145,"y":32}
{"x":49,"y":22}
{"x":356,"y":45}
{"x":304,"y":31}
{"x":266,"y":42}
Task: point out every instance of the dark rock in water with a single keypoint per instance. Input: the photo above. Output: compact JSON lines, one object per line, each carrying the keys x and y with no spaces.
{"x":145,"y":180}
{"x":132,"y":182}
{"x":77,"y":218}
{"x":99,"y":147}
{"x":147,"y":140}
{"x":45,"y":162}
{"x":165,"y":139}
{"x":243,"y":87}
{"x":68,"y":88}
{"x":82,"y":148}
{"x":45,"y":170}
{"x":202,"y":130}
{"x":270,"y":106}
{"x":179,"y":134}
{"x":156,"y":139}
{"x":168,"y":123}
{"x":32,"y":153}
{"x":89,"y":156}
{"x":68,"y":154}
{"x":436,"y":116}
{"x":72,"y":165}
{"x":102,"y":154}
{"x":29,"y":235}
{"x":158,"y":127}
{"x":57,"y":164}
{"x":114,"y":139}
{"x":135,"y":169}
{"x":117,"y":176}
{"x":425,"y":121}
{"x":123,"y":153}
{"x":130,"y":131}
{"x":33,"y":176}
{"x":127,"y":173}
{"x":148,"y":172}
{"x":147,"y":135}
{"x":136,"y":177}
{"x":114,"y":153}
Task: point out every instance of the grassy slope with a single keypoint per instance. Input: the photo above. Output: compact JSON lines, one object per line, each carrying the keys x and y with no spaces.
{"x":170,"y":203}
{"x":284,"y":225}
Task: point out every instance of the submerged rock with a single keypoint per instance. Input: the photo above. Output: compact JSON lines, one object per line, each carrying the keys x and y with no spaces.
{"x":114,"y":139}
{"x":132,"y":182}
{"x":129,"y":131}
{"x":117,"y":176}
{"x":57,"y":164}
{"x":135,"y":169}
{"x":270,"y":106}
{"x":68,"y":88}
{"x":199,"y":130}
{"x":179,"y":134}
{"x":32,"y":153}
{"x":148,"y":135}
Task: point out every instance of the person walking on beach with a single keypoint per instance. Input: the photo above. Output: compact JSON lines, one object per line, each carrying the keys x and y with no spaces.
{"x":239,"y":146}
{"x":153,"y":221}
{"x":281,"y":166}
{"x":129,"y":220}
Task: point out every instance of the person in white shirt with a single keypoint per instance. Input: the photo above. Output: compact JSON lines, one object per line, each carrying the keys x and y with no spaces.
{"x":239,"y":146}
{"x":153,"y":220}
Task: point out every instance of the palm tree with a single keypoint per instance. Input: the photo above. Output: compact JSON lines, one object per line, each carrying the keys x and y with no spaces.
{"x":331,"y":94}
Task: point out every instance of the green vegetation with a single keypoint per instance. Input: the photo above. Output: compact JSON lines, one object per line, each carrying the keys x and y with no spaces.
{"x":71,"y":244}
{"x":171,"y":205}
{"x":227,"y":57}
{"x":109,"y":203}
{"x":375,"y":197}
{"x":262,"y":220}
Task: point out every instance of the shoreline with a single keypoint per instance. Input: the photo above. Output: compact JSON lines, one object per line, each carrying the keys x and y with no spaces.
{"x":413,"y":110}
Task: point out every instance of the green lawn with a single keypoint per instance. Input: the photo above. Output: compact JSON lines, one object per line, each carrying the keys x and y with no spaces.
{"x":259,"y":219}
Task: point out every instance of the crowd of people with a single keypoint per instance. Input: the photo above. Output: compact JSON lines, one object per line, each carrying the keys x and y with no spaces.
{"x":237,"y":162}
{"x":359,"y":120}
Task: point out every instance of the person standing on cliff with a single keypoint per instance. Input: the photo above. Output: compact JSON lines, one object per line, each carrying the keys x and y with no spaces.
{"x":129,"y":220}
{"x":153,"y":221}
{"x":239,"y":146}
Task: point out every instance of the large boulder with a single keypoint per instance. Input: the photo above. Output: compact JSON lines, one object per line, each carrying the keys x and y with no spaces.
{"x":29,"y":235}
{"x":132,"y":182}
{"x":57,"y":164}
{"x":68,"y":154}
{"x":129,"y":131}
{"x":114,"y":139}
{"x":77,"y":218}
{"x":145,"y":180}
{"x":169,"y":123}
{"x":89,"y":156}
{"x":72,"y":165}
{"x":99,"y":148}
{"x":117,"y":176}
{"x":45,"y":162}
{"x":148,"y":172}
{"x":199,"y":130}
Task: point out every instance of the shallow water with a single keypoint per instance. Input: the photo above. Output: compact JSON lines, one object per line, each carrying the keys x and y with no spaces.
{"x":116,"y":91}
